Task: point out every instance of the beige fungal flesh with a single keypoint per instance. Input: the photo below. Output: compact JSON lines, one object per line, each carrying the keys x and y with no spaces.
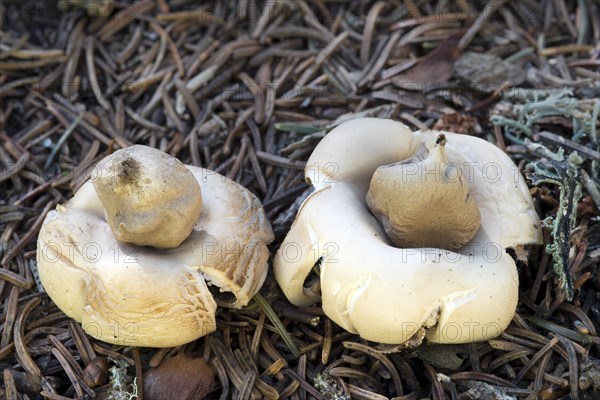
{"x":147,"y":296}
{"x":402,"y":295}
{"x":424,"y":202}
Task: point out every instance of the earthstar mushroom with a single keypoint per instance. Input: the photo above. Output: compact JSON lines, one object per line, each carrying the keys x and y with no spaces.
{"x":147,"y":296}
{"x":396,"y":295}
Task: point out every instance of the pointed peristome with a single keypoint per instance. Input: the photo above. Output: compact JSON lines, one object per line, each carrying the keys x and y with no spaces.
{"x":424,"y":202}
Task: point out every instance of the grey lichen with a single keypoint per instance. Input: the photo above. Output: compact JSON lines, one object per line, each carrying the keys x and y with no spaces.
{"x":482,"y":390}
{"x":328,"y":387}
{"x":120,"y":382}
{"x":589,"y":375}
{"x":529,"y":106}
{"x":555,"y":169}
{"x":517,"y":114}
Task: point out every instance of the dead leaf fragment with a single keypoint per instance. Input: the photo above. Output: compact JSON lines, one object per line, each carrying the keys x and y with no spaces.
{"x":487,"y":70}
{"x":188,"y":377}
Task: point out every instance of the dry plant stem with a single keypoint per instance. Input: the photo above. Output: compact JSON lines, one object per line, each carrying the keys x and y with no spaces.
{"x":19,"y":331}
{"x":304,"y":384}
{"x":266,"y":308}
{"x":9,"y":319}
{"x":10,"y":388}
{"x":381,"y":358}
{"x":67,"y":368}
{"x":30,"y":234}
{"x":483,"y":17}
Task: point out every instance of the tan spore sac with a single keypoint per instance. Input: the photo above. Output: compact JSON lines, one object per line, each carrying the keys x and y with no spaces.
{"x":149,"y":197}
{"x":424,"y":201}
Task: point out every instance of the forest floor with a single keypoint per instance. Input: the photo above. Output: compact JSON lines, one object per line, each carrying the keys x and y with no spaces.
{"x":248,"y":89}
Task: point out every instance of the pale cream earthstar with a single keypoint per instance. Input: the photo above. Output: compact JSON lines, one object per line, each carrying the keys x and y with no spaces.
{"x":446,"y":278}
{"x":132,"y":255}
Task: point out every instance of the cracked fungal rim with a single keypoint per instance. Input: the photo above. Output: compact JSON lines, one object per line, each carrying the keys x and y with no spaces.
{"x":388,"y":294}
{"x":142,"y":296}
